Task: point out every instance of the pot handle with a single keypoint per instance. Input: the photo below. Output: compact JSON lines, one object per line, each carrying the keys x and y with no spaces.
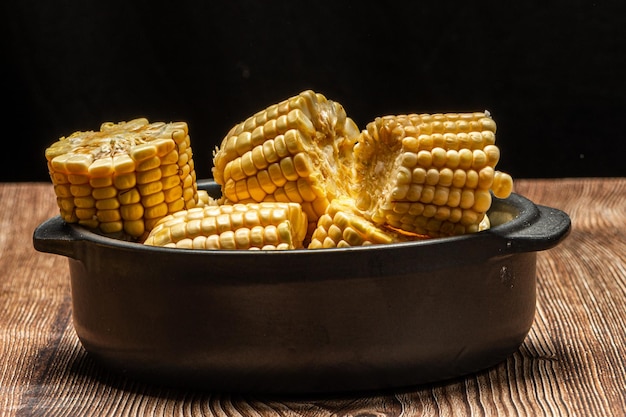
{"x":57,"y":237}
{"x":549,"y":227}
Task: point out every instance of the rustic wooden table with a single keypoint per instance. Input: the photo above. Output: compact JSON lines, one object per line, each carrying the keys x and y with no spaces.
{"x":571,"y":364}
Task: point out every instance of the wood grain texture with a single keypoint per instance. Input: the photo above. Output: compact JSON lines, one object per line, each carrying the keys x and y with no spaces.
{"x":571,"y":364}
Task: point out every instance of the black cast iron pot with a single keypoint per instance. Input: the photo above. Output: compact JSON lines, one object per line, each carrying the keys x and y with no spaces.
{"x":307,"y":321}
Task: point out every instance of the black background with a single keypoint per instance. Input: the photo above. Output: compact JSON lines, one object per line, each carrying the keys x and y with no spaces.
{"x":551,"y":73}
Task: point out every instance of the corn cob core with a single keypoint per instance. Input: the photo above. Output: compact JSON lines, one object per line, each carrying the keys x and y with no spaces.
{"x":428,"y":174}
{"x":266,"y":226}
{"x":125,"y":177}
{"x":299,"y":150}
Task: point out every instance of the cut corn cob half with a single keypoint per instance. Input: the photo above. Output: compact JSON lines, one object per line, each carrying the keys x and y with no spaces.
{"x":125,"y":177}
{"x":299,"y":150}
{"x":265,"y":226}
{"x":429,"y":174}
{"x":343,"y":226}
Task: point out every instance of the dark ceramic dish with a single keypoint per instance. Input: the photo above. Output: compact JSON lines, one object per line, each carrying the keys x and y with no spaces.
{"x":307,"y":321}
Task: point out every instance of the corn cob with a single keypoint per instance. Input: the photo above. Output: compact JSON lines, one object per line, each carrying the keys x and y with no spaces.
{"x":299,"y":150}
{"x":428,"y":174}
{"x":124,"y":178}
{"x":266,"y":226}
{"x":343,"y":225}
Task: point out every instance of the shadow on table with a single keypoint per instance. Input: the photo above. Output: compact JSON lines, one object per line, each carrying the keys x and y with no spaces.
{"x":519,"y":369}
{"x":85,"y":370}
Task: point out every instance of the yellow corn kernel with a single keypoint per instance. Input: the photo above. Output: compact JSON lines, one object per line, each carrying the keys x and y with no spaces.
{"x":156,"y":212}
{"x":172,"y":181}
{"x":105,"y":216}
{"x":84,"y":202}
{"x":111,"y":169}
{"x":502,"y":184}
{"x":101,"y":182}
{"x":152,"y":200}
{"x":150,"y":176}
{"x":108,"y":204}
{"x":62,"y":191}
{"x":100,"y":168}
{"x":86,"y":213}
{"x":143,"y":151}
{"x":80,"y":190}
{"x":150,"y":187}
{"x":104,"y":193}
{"x":132,"y":211}
{"x":171,"y":158}
{"x":150,"y":163}
{"x":266,"y":225}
